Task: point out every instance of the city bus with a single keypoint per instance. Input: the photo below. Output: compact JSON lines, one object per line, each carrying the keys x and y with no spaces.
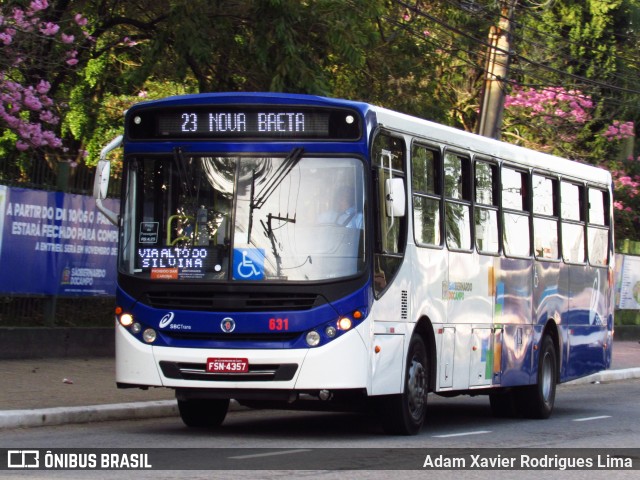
{"x":294,"y":251}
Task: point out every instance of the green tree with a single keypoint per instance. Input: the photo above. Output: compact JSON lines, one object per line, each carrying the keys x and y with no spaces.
{"x":580,"y":55}
{"x":425,"y":58}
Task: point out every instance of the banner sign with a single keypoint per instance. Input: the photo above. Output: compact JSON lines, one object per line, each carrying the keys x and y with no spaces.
{"x":56,"y":243}
{"x":627,"y":282}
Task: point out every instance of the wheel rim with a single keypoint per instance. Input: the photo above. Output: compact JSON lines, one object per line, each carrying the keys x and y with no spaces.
{"x":416,"y":388}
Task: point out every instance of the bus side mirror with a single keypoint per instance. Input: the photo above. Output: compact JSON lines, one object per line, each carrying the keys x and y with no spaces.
{"x":395,"y":197}
{"x":101,"y":181}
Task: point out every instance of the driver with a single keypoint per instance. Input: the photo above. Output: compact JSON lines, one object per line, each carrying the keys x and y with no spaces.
{"x":344,"y":212}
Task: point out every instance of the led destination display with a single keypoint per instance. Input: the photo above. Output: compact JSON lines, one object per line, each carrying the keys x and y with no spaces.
{"x":214,"y":122}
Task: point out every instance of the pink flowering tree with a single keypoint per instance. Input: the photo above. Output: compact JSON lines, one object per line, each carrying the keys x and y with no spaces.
{"x":619,"y":131}
{"x":550,"y":119}
{"x":38,"y":47}
{"x":563,"y":122}
{"x":626,"y":179}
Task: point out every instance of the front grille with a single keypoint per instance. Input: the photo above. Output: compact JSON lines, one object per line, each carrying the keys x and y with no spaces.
{"x":233,"y":302}
{"x":197,"y":371}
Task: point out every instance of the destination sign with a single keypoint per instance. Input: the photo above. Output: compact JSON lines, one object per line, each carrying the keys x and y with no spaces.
{"x":219,"y":122}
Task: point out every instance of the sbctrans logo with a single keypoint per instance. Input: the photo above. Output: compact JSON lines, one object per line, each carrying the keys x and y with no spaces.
{"x":23,"y":459}
{"x":166,"y":320}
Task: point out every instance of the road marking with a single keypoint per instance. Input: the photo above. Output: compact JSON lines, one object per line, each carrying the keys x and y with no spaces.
{"x":270,"y":454}
{"x":587,"y":419}
{"x":479,"y":432}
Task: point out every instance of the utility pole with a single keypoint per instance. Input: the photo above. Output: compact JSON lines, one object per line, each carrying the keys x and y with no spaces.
{"x":496,"y":72}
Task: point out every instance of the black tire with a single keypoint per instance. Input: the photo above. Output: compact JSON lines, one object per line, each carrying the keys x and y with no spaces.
{"x":203,"y":413}
{"x":536,"y":401}
{"x":404,"y":414}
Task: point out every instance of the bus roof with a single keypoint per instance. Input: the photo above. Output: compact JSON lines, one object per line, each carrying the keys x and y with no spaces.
{"x":247,"y":98}
{"x":393,"y":120}
{"x":492,"y":148}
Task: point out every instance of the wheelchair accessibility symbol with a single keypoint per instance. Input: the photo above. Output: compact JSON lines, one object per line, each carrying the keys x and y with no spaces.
{"x":248,"y":263}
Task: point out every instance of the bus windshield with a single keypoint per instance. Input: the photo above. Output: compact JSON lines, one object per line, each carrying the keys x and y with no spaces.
{"x":243,"y":218}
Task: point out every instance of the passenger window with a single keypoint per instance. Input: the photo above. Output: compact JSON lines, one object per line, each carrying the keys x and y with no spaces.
{"x":426,"y":195}
{"x":543,"y":196}
{"x":486,"y":210}
{"x":457,"y":174}
{"x":545,"y":218}
{"x":485,"y":183}
{"x":597,"y":207}
{"x":514,"y":189}
{"x":516,"y":232}
{"x":573,"y":239}
{"x":598,"y":228}
{"x":571,"y":202}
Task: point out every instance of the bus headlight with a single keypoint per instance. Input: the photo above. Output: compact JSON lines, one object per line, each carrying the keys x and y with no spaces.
{"x":344,"y":323}
{"x":313,"y":338}
{"x":149,"y":335}
{"x":126,"y":319}
{"x":330,"y":331}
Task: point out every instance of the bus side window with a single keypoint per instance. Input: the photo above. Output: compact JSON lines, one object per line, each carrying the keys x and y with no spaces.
{"x":545,"y":218}
{"x":598,"y":228}
{"x":427,"y":194}
{"x":515,"y":213}
{"x":572,"y":201}
{"x":486,"y":210}
{"x":457,"y":201}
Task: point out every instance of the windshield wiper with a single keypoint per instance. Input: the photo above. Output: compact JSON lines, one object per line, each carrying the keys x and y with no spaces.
{"x":258,"y":200}
{"x":276,"y":179}
{"x":183,"y":172}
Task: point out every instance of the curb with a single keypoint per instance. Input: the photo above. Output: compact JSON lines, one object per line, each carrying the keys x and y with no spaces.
{"x":46,"y":417}
{"x":86,"y":414}
{"x":608,"y":376}
{"x":169,"y":408}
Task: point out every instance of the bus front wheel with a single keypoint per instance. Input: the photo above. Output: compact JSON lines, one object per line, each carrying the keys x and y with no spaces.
{"x":200,"y":413}
{"x":404,"y":414}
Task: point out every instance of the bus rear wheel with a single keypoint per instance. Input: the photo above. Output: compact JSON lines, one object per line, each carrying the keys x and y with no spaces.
{"x":536,"y":401}
{"x":198,"y":413}
{"x":404,"y":414}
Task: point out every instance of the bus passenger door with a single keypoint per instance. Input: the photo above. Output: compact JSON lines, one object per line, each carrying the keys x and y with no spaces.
{"x":391,"y":272}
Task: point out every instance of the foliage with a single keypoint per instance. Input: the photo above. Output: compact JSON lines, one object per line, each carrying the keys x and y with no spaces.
{"x":37,"y":46}
{"x":84,"y":62}
{"x":574,"y":95}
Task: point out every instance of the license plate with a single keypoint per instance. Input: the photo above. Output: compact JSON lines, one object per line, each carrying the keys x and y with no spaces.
{"x":227,"y":365}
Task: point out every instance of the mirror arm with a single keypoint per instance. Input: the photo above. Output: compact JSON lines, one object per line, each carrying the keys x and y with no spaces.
{"x":101,"y":182}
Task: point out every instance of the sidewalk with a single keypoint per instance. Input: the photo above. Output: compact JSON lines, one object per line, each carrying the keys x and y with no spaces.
{"x":54,"y":391}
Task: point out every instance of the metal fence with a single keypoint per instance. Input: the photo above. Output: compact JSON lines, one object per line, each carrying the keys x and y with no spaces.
{"x":38,"y":174}
{"x":29,"y":311}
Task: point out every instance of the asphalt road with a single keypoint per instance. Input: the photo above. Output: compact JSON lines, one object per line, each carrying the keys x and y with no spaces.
{"x":600,"y":416}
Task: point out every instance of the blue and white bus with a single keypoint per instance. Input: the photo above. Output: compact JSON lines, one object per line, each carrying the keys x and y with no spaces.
{"x":294,"y":250}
